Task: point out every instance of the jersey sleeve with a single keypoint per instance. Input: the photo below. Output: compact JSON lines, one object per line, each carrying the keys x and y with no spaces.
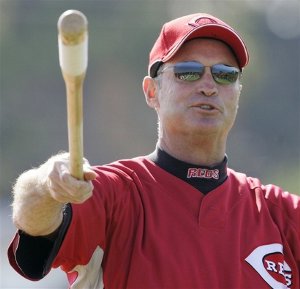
{"x":92,"y":222}
{"x":285,"y":210}
{"x":84,"y":228}
{"x":32,"y":256}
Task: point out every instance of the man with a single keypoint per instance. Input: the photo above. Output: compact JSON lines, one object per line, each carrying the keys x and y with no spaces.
{"x":177,"y":218}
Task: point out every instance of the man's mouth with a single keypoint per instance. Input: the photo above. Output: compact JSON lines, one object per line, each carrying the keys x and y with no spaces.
{"x":206,"y":107}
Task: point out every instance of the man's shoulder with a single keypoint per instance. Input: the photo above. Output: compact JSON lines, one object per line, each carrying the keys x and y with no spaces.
{"x":273,"y":194}
{"x":243,"y":179}
{"x":129,"y":164}
{"x":127,"y":167}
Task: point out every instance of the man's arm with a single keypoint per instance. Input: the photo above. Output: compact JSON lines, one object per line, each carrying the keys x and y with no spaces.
{"x":41,"y":193}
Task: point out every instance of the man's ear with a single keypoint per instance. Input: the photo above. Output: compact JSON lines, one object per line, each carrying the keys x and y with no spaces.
{"x":150,"y":88}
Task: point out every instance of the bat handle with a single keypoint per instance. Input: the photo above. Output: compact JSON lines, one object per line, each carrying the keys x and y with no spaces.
{"x":74,"y":90}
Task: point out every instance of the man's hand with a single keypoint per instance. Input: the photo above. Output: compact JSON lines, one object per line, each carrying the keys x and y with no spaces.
{"x":62,"y":186}
{"x":41,"y":193}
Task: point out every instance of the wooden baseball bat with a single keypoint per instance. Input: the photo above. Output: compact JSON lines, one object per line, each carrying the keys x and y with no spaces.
{"x":73,"y":57}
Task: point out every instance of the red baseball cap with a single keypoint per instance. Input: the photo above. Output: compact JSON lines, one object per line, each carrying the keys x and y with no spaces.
{"x":178,"y":31}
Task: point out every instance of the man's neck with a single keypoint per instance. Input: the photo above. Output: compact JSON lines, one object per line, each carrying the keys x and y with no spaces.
{"x":202,"y":152}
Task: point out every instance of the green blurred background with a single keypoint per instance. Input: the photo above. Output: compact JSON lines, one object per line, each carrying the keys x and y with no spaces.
{"x":264,"y":143}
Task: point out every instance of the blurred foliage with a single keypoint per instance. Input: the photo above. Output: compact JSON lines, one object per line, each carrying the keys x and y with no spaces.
{"x":117,"y":122}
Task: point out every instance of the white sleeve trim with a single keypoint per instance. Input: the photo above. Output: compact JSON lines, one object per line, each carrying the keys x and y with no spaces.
{"x":90,"y":275}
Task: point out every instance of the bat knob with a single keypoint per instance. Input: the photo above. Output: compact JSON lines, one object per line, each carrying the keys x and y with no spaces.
{"x":72,"y":25}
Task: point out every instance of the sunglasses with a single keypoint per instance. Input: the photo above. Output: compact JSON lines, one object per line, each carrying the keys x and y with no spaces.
{"x":191,"y":71}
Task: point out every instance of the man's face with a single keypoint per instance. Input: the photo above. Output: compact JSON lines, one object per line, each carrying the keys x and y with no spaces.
{"x":199,"y":107}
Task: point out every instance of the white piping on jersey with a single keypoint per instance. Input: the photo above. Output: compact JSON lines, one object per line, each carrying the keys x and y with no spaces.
{"x":90,"y":275}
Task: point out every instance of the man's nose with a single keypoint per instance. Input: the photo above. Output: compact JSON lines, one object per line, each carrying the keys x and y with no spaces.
{"x":207,"y":85}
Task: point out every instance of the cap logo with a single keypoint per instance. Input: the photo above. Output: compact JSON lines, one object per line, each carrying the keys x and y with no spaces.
{"x":195,"y":22}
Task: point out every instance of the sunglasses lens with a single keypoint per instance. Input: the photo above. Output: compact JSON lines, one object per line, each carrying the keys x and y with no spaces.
{"x":188,"y":71}
{"x":224,"y":74}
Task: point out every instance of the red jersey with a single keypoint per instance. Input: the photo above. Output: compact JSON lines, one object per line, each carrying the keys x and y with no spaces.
{"x":144,"y":228}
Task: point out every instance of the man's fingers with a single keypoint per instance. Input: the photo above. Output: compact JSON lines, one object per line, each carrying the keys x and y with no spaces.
{"x":63,"y":187}
{"x":66,"y":189}
{"x":89,"y":174}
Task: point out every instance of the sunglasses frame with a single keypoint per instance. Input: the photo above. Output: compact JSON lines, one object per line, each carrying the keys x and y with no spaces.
{"x":197,"y":69}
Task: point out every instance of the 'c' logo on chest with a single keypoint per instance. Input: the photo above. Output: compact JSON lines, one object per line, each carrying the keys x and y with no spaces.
{"x":268,"y":261}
